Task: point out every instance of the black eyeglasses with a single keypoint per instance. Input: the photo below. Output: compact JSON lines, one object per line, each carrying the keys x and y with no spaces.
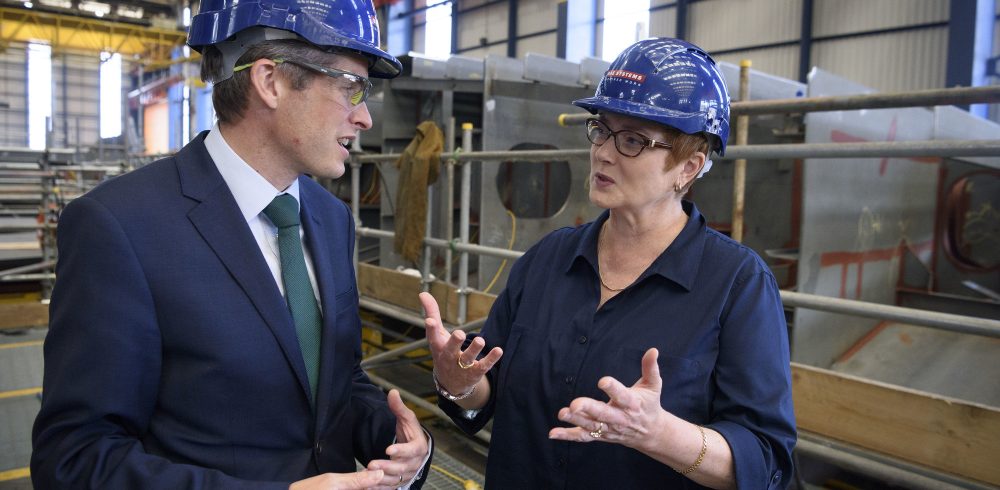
{"x":628,"y":143}
{"x":358,"y":86}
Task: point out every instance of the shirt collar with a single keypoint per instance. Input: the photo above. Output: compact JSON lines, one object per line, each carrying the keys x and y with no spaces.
{"x":250,"y":189}
{"x":679,"y":262}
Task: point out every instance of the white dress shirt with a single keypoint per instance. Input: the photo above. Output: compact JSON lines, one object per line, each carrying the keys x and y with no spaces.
{"x":253,"y":193}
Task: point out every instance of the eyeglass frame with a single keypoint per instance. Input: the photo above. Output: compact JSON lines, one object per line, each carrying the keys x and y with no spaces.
{"x":366,"y":83}
{"x":647,"y":141}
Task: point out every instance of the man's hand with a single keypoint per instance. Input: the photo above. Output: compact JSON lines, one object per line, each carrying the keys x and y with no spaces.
{"x":340,"y":481}
{"x":407,"y":455}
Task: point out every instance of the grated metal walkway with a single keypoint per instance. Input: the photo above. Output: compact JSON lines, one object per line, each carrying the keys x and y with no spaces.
{"x":20,"y":383}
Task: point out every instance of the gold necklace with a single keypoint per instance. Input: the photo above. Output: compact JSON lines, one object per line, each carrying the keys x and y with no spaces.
{"x":600,"y":277}
{"x":605,"y":285}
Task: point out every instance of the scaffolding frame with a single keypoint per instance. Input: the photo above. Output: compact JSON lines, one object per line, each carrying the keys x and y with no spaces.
{"x":889,"y":469}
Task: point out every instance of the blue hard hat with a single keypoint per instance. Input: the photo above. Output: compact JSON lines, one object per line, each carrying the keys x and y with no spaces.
{"x":327,"y":24}
{"x":668,"y":81}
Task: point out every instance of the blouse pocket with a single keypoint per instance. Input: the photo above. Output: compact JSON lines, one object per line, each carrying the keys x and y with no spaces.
{"x":684,"y":380}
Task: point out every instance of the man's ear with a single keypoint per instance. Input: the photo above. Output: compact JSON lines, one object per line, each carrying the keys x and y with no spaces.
{"x":265,"y":82}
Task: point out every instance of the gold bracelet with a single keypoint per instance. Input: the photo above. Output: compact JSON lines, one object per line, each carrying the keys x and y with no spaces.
{"x":701,"y":455}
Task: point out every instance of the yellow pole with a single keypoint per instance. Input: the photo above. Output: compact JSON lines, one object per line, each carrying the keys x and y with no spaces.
{"x":740,"y":171}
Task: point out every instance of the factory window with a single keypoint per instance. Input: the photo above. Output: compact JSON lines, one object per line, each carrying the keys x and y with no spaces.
{"x":437,"y":29}
{"x":533,"y":189}
{"x":111,"y":95}
{"x":39,"y":94}
{"x":625,"y":22}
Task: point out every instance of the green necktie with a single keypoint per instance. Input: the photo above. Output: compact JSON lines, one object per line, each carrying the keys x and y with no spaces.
{"x":284,"y":213}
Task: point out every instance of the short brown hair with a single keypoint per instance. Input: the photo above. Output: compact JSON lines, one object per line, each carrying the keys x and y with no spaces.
{"x":685,"y":145}
{"x":229,"y":97}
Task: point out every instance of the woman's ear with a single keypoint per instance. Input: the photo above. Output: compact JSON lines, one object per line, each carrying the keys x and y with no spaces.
{"x":692,"y":167}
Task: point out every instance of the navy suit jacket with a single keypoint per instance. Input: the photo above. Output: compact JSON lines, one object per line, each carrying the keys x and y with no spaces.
{"x":172,"y":360}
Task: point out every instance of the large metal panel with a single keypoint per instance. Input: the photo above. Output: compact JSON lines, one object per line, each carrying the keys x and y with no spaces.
{"x":524,"y":115}
{"x":763,"y":85}
{"x":504,"y":68}
{"x":592,"y":71}
{"x":549,"y":69}
{"x":858,"y":217}
{"x":980,"y":218}
{"x":464,"y":68}
{"x":929,"y":360}
{"x":426,"y":67}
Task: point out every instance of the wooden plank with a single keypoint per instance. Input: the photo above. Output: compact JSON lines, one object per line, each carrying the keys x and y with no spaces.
{"x":22,"y":315}
{"x":390,"y":286}
{"x":953,"y":436}
{"x":400,"y":289}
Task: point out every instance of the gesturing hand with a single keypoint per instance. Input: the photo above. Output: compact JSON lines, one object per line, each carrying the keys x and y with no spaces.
{"x":407,"y":455}
{"x":457,"y":370}
{"x":339,"y":481}
{"x":631,"y":417}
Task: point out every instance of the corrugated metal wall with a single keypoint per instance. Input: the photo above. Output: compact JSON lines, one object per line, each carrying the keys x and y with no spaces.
{"x":489,"y":23}
{"x":843,"y":16}
{"x":913,"y":55}
{"x":75,"y":98}
{"x":77,"y":106}
{"x":723,"y":24}
{"x":895,"y":61}
{"x":13,"y":93}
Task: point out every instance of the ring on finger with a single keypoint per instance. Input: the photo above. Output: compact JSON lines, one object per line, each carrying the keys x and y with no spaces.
{"x":400,"y":479}
{"x":597,"y":434}
{"x":464,"y":365}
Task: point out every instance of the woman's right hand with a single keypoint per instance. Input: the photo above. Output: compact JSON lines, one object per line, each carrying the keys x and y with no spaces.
{"x":457,"y":371}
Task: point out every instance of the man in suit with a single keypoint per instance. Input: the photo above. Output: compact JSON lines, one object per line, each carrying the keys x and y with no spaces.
{"x":204,"y":324}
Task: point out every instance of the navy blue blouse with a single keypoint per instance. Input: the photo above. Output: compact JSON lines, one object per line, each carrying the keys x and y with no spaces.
{"x":711,"y":307}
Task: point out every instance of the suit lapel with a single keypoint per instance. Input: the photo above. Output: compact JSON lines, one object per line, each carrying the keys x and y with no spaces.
{"x":219,"y":221}
{"x":320,"y":250}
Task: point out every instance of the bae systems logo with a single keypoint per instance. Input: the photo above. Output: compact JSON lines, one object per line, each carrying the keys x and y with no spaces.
{"x":627,"y":75}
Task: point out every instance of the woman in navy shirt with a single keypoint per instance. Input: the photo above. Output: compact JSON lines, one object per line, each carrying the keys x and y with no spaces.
{"x":643,"y":349}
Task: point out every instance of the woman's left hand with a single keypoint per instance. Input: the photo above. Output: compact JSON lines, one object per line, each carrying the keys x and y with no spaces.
{"x":633,"y":416}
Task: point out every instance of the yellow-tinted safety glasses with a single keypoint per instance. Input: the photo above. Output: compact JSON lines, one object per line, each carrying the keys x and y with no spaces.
{"x":358,"y":89}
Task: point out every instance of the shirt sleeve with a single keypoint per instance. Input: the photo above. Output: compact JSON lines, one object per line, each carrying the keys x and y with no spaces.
{"x":753,"y":403}
{"x":495,"y":332}
{"x":423,"y":466}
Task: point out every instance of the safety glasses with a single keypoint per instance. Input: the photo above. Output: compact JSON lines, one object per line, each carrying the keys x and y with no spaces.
{"x":628,"y":143}
{"x":357,"y":88}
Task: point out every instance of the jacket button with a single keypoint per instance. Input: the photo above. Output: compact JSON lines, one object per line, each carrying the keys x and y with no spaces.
{"x":582,"y":339}
{"x":318,"y":447}
{"x":569,"y":380}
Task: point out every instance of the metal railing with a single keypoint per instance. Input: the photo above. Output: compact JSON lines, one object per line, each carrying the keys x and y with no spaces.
{"x":935,"y":148}
{"x":917,"y":98}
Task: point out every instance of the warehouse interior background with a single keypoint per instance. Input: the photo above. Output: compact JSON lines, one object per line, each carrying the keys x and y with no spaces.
{"x":870,"y":185}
